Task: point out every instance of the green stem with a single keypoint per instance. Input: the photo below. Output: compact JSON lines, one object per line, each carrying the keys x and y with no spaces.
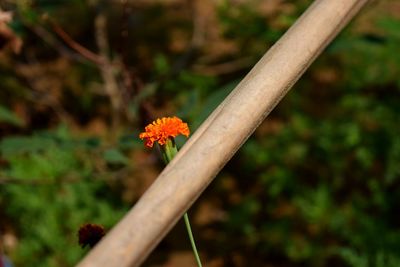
{"x":189,"y":230}
{"x":169,"y":151}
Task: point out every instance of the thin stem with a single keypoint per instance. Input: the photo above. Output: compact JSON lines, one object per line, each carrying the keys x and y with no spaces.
{"x":169,"y":150}
{"x":192,"y":242}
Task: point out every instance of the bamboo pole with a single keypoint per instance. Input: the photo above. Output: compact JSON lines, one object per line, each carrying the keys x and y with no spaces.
{"x":221,"y":135}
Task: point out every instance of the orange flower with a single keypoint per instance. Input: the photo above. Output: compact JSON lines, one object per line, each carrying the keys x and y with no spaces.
{"x":162,"y":129}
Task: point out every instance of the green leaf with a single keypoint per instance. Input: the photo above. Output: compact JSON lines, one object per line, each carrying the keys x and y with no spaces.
{"x":130,"y":141}
{"x":161,"y":64}
{"x":115,"y":156}
{"x":212,"y":102}
{"x":8,"y":116}
{"x":18,"y":145}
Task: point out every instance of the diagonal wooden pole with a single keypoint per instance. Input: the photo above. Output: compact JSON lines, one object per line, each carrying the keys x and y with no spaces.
{"x":221,"y":135}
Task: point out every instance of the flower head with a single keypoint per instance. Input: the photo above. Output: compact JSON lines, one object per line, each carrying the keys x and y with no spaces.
{"x":89,"y":234}
{"x":162,"y":129}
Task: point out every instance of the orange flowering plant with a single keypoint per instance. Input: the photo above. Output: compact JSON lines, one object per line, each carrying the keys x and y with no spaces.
{"x":163,"y":131}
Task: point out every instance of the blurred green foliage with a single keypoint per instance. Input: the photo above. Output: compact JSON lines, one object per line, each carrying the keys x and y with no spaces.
{"x":57,"y":191}
{"x":316,"y":185}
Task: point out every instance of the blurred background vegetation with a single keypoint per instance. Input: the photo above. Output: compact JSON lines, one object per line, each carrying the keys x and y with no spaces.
{"x":316,"y":185}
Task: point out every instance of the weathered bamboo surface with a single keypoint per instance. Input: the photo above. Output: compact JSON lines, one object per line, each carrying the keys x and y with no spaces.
{"x":221,"y":135}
